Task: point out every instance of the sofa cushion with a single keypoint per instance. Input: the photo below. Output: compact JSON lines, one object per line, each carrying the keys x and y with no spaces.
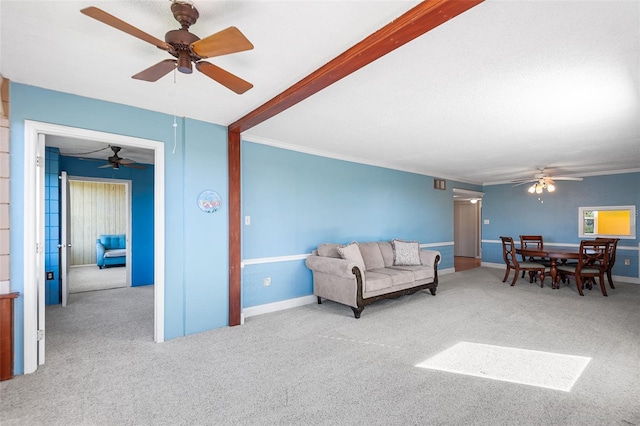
{"x":387,"y":253}
{"x":328,"y":250}
{"x":375,"y":281}
{"x":398,"y":276}
{"x":371,"y":255}
{"x":352,"y":252}
{"x":115,"y":253}
{"x":419,"y":272}
{"x":406,"y":253}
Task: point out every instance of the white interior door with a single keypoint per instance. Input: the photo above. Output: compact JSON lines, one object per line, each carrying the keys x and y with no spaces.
{"x":65,"y":236}
{"x":40,"y":244}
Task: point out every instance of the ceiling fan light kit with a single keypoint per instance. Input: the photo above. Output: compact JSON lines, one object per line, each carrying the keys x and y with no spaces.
{"x":187,"y":48}
{"x":542,"y":181}
{"x":542,"y":184}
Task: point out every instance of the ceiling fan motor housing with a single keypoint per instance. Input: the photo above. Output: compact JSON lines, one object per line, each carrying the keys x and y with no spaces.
{"x":181,"y":39}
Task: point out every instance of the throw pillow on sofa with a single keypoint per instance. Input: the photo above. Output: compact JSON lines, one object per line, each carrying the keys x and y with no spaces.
{"x":352,"y":252}
{"x":406,"y":253}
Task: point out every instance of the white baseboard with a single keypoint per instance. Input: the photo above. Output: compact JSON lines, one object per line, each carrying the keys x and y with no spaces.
{"x":277,"y":306}
{"x":294,"y":303}
{"x":621,"y":278}
{"x":446,"y":271}
{"x":492,"y":265}
{"x":306,"y":300}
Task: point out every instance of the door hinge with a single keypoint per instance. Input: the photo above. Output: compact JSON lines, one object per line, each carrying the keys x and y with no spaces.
{"x":38,"y":162}
{"x":40,"y":335}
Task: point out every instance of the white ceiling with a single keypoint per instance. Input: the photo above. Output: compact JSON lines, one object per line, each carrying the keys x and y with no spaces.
{"x":496,"y":93}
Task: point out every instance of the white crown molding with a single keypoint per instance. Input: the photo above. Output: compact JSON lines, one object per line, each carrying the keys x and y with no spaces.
{"x":327,"y":154}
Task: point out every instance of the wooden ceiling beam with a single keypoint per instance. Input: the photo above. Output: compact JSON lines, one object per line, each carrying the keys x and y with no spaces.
{"x":417,"y":21}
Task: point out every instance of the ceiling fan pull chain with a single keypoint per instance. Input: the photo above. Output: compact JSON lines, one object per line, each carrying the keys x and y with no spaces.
{"x":175,"y":125}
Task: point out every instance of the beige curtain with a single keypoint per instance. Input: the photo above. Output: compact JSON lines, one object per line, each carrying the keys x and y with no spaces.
{"x":96,"y":208}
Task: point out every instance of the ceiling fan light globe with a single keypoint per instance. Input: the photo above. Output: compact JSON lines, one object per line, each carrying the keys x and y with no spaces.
{"x":551,"y":187}
{"x":532,"y":189}
{"x":538,"y":189}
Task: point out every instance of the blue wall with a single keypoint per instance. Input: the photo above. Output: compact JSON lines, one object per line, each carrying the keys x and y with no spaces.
{"x":512,"y":211}
{"x":141,"y":210}
{"x":297,"y":201}
{"x":196,"y":281}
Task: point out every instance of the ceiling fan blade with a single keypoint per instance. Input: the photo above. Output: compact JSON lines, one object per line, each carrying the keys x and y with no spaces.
{"x":577,"y":179}
{"x":124,"y":161}
{"x":133,"y":166}
{"x":223,"y":77}
{"x":227,"y":41}
{"x":104,"y":166}
{"x":525,"y":182}
{"x":154,"y":72}
{"x":117,"y":23}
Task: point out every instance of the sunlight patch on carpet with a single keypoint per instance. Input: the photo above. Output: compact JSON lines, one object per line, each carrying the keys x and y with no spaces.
{"x":535,"y":368}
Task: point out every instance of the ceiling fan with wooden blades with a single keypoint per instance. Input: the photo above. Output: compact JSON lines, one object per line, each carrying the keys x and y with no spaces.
{"x":185,"y":47}
{"x":115,"y":161}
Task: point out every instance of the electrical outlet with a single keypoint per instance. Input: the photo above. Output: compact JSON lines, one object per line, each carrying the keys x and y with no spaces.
{"x":247,"y":220}
{"x":266,"y":281}
{"x":49,"y":275}
{"x":627,"y":262}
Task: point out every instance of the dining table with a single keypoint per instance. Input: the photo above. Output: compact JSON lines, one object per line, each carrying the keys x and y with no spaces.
{"x":554,"y":254}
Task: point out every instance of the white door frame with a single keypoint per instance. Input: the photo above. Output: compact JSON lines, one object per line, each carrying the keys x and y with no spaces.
{"x":128,"y":201}
{"x":34,"y":235}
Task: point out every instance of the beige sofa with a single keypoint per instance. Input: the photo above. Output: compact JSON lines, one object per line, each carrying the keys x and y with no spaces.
{"x":361,"y":273}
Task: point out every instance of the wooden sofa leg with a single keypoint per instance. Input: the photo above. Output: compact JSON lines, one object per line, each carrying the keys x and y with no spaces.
{"x":319,"y":301}
{"x":357,"y":311}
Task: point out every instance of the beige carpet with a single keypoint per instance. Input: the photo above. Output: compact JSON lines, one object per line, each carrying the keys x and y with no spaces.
{"x":90,"y":278}
{"x":317,"y":365}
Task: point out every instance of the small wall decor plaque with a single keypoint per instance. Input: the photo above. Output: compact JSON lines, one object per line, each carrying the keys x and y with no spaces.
{"x":209,"y":201}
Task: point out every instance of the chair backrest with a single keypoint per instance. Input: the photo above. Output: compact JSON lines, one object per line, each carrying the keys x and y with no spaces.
{"x":593,"y":255}
{"x":532,"y":242}
{"x":509,"y":251}
{"x":612,"y":249}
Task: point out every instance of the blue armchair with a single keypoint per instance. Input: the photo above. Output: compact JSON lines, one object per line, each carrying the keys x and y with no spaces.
{"x":111,"y":250}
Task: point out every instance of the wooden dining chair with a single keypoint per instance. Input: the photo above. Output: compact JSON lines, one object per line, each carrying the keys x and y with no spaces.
{"x":592,"y":262}
{"x":511,"y":260}
{"x":534,"y":242}
{"x":613,"y":246}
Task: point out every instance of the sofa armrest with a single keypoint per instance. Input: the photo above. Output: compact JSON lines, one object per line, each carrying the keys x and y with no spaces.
{"x":331,"y":265}
{"x":99,"y":253}
{"x":428,"y":257}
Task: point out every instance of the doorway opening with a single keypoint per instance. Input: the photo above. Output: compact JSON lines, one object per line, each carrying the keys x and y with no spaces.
{"x":34,"y":235}
{"x":467,"y":216}
{"x":99,"y":206}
